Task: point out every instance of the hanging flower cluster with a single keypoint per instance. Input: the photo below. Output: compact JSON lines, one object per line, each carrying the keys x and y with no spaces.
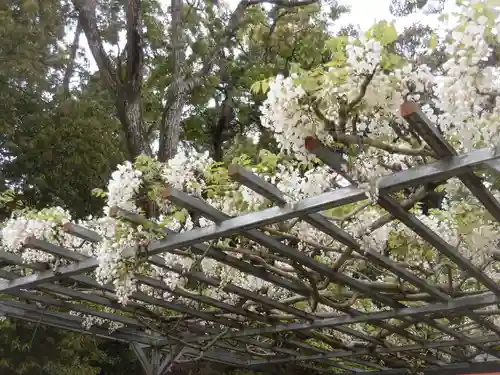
{"x":352,"y":103}
{"x":289,"y":118}
{"x":92,"y":320}
{"x":41,"y":225}
{"x":471,"y":66}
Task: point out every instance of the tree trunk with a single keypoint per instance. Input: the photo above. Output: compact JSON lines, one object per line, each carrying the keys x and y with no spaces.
{"x":130,"y":115}
{"x":171,"y":124}
{"x":123,"y":85}
{"x":71,"y":62}
{"x":170,"y":127}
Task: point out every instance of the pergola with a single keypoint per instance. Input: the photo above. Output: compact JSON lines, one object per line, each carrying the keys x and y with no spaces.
{"x":284,"y":342}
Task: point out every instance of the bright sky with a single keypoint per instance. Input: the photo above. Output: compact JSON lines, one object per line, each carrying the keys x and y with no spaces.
{"x":366,"y":12}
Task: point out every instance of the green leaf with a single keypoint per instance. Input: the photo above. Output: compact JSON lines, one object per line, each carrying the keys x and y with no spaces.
{"x":260,"y":87}
{"x":433,"y":41}
{"x":264,"y":86}
{"x":256,"y":87}
{"x":390,"y":61}
{"x":337,"y":44}
{"x":295,"y":68}
{"x":384,"y":32}
{"x":180,"y":215}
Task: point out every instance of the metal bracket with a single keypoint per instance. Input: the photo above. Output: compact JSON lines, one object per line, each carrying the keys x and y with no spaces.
{"x":155,"y":361}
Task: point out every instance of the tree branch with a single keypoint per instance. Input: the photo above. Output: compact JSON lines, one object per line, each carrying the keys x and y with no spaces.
{"x":87,"y":19}
{"x":349,"y":139}
{"x":362,"y":91}
{"x":72,"y":56}
{"x":178,"y":92}
{"x":134,"y":49}
{"x":126,"y":89}
{"x":283,"y":3}
{"x":233,"y":26}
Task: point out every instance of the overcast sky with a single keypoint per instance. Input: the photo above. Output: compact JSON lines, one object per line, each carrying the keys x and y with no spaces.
{"x":366,"y":12}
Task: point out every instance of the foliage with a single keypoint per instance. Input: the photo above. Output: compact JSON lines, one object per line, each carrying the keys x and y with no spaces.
{"x":279,"y":74}
{"x":54,"y":102}
{"x":47,"y":137}
{"x":406,"y":7}
{"x":28,"y":349}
